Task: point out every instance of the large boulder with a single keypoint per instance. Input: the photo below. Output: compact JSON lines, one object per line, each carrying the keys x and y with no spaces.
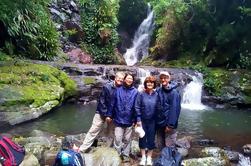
{"x":29,"y":90}
{"x":103,"y":156}
{"x":30,"y":160}
{"x":78,"y":56}
{"x":206,"y":161}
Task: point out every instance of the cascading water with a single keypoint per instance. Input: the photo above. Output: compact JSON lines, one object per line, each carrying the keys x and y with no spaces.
{"x":192,"y":94}
{"x":142,"y":74}
{"x":141,"y":40}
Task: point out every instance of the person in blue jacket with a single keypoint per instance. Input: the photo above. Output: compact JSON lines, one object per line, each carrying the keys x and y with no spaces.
{"x":124,"y":116}
{"x":168,"y":110}
{"x":103,"y":113}
{"x":69,"y":155}
{"x":146,"y":104}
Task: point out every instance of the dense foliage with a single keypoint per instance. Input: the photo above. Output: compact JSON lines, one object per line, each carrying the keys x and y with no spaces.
{"x":99,"y":21}
{"x":26,"y":29}
{"x":211,"y":31}
{"x":131,"y":14}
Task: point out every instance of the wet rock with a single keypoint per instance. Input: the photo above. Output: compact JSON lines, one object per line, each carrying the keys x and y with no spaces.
{"x":232,"y":156}
{"x":183,"y":152}
{"x":102,"y":156}
{"x":49,"y":157}
{"x":30,"y":160}
{"x":36,"y":148}
{"x":77,"y":34}
{"x":78,"y":56}
{"x":135,"y":150}
{"x":206,"y":142}
{"x":206,"y":161}
{"x":184,"y":142}
{"x":57,"y":15}
{"x":247,"y":149}
{"x":212,"y":151}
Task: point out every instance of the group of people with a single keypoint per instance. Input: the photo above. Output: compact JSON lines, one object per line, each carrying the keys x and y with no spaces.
{"x":155,"y":109}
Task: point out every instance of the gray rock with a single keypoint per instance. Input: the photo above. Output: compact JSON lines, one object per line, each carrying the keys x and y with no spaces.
{"x":103,"y":156}
{"x":135,"y":147}
{"x":30,"y":160}
{"x":247,"y":149}
{"x":212,"y":152}
{"x":232,"y":155}
{"x":49,"y":157}
{"x":206,"y":161}
{"x":183,"y":151}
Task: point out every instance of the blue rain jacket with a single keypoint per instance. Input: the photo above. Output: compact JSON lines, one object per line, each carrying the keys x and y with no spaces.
{"x":169,"y":106}
{"x":105,"y":99}
{"x":146,"y":105}
{"x":124,"y":114}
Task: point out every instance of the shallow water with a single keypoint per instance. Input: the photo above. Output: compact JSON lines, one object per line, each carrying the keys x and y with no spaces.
{"x":226,"y":127}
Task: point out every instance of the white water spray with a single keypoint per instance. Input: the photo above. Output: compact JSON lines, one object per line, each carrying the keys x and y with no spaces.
{"x":142,"y":74}
{"x":192,"y":94}
{"x":141,"y":40}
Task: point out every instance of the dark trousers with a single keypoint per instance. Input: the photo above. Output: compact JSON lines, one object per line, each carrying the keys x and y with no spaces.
{"x":148,"y":141}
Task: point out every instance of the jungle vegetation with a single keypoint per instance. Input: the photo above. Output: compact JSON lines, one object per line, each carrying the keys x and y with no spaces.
{"x":210,"y":32}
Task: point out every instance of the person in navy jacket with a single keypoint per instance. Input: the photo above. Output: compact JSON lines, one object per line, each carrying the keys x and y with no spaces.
{"x":124,"y":116}
{"x":168,"y":110}
{"x":146,"y":104}
{"x":103,"y":113}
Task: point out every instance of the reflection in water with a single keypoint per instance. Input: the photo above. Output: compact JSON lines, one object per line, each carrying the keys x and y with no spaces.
{"x":68,"y":119}
{"x":228,"y":128}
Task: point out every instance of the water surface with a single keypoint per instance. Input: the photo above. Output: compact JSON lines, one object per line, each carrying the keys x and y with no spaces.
{"x":226,"y":127}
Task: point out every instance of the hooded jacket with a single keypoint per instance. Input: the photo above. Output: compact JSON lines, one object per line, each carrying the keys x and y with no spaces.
{"x":169,"y":106}
{"x":105,"y":99}
{"x":123,"y":106}
{"x":146,"y":105}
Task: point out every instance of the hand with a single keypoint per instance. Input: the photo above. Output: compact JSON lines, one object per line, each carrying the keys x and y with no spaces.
{"x":75,"y":148}
{"x":168,"y":130}
{"x":139,"y":123}
{"x":108,"y":119}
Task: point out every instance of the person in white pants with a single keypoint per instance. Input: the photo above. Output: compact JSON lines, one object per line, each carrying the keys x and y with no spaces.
{"x":103,"y":112}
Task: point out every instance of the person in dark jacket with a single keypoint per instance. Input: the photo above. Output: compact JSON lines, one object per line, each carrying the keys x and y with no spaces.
{"x":103,"y":112}
{"x":69,"y":155}
{"x":124,"y":116}
{"x":168,"y":110}
{"x":146,"y":104}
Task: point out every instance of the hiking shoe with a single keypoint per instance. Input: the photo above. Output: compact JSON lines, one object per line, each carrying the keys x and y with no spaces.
{"x":149,"y":161}
{"x":143,"y":161}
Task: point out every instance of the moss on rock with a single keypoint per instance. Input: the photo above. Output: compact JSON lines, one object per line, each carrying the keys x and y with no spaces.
{"x":89,"y":80}
{"x":32,"y":85}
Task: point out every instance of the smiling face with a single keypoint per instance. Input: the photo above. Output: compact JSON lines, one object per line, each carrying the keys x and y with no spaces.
{"x":119,"y":78}
{"x":128,"y":80}
{"x":164,"y":80}
{"x":150,"y":83}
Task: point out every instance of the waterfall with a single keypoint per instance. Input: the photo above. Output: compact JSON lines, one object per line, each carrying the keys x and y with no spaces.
{"x":192,"y":94}
{"x":142,"y":74}
{"x":141,"y":40}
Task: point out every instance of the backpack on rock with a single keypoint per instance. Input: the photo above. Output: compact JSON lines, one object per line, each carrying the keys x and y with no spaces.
{"x":169,"y":157}
{"x":11,"y":154}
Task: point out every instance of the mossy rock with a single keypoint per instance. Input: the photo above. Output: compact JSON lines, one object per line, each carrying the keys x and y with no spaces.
{"x":89,"y":80}
{"x":27,"y":87}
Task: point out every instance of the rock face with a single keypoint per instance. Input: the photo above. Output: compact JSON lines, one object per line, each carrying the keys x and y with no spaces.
{"x":231,"y":88}
{"x":90,"y":79}
{"x":78,"y":56}
{"x":28,"y":91}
